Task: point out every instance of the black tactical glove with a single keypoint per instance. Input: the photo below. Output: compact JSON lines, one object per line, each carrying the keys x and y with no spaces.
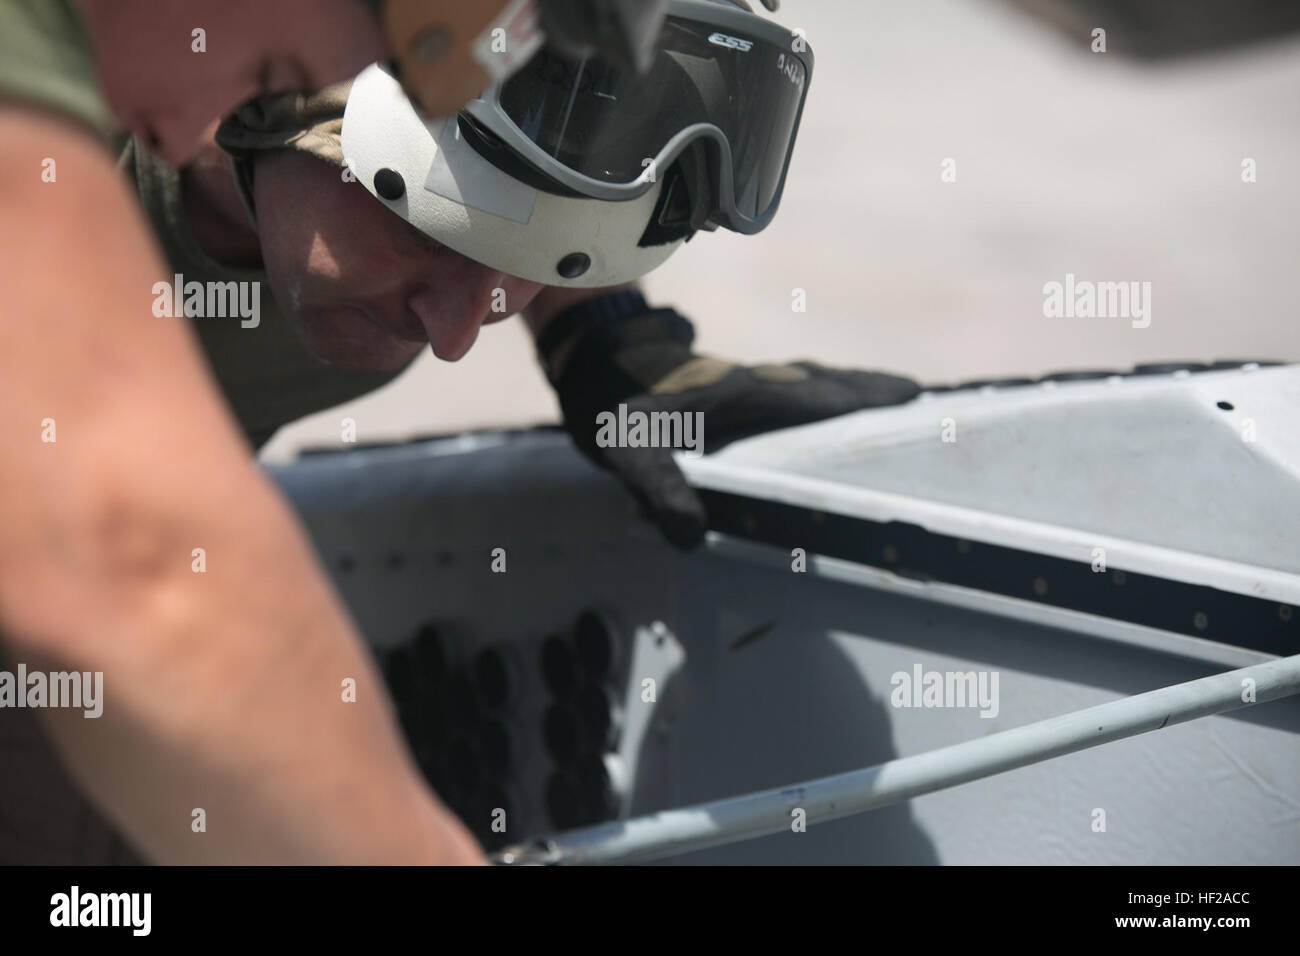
{"x":624,"y":353}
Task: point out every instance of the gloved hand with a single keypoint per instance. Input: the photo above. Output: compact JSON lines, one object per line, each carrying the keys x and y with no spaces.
{"x":644,"y":361}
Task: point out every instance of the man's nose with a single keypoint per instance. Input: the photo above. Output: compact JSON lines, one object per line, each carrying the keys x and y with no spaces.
{"x":453,"y":298}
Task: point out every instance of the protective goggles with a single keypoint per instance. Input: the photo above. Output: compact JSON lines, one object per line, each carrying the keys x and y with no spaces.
{"x":720,"y":104}
{"x":447,"y":52}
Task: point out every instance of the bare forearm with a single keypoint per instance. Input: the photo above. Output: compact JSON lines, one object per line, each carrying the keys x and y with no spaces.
{"x":242,"y":692}
{"x":224,"y":685}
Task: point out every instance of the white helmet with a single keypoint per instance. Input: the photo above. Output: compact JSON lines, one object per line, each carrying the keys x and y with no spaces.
{"x":433,"y":178}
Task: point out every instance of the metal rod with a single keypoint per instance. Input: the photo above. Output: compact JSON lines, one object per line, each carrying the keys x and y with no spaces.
{"x":829,"y":798}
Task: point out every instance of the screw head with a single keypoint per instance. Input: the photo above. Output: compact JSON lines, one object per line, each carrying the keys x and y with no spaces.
{"x":389,"y":184}
{"x":573,"y":265}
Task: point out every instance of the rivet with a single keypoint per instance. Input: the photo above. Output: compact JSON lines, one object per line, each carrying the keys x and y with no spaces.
{"x":389,"y":184}
{"x":574,"y":265}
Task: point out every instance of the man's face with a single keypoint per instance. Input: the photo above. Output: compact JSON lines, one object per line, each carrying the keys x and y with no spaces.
{"x":364,"y":288}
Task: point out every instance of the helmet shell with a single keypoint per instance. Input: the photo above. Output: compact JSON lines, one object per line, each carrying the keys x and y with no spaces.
{"x":432,"y":178}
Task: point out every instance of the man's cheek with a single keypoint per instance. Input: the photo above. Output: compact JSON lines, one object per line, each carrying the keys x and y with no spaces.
{"x":521,"y":293}
{"x":323,"y":258}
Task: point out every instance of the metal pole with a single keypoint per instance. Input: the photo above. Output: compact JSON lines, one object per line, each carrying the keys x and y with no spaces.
{"x":829,"y":798}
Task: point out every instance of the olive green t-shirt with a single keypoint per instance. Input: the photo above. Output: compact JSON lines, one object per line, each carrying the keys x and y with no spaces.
{"x":46,"y":59}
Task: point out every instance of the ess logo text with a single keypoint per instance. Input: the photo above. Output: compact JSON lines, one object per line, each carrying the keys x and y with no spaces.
{"x":735,"y":43}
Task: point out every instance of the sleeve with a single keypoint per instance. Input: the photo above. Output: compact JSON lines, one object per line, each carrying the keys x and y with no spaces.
{"x":46,"y":59}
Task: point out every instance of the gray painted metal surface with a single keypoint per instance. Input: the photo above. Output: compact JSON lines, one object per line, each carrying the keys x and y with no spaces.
{"x":1150,"y":468}
{"x":816,"y":801}
{"x":780,"y":676}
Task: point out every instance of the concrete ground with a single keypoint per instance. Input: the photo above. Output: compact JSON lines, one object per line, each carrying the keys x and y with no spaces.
{"x":1066,"y":162}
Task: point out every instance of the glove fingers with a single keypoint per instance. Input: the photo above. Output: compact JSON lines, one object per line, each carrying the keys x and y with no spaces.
{"x":662,"y":492}
{"x":862,"y":388}
{"x":743,"y":403}
{"x":875,"y":389}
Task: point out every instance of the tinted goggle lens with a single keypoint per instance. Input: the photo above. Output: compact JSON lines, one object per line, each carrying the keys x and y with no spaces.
{"x":606,"y":124}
